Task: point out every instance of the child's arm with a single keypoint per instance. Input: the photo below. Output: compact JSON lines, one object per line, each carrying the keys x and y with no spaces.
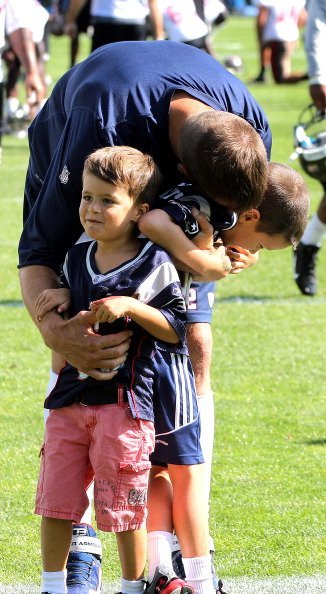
{"x":208,"y":263}
{"x":148,"y":317}
{"x":51,"y":299}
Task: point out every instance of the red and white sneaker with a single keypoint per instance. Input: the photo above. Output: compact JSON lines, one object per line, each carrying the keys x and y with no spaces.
{"x":166,"y":582}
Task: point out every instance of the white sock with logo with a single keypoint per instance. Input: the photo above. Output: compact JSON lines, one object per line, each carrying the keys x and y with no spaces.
{"x":199,"y":575}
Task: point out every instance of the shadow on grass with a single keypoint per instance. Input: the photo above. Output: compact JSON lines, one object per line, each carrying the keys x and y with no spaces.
{"x":12,"y":303}
{"x":321,"y":441}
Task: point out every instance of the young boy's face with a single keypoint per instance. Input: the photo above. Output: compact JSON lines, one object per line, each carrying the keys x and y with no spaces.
{"x":245,"y":234}
{"x":106,"y":211}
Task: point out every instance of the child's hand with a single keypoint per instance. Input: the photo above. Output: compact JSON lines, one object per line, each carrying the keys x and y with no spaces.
{"x":51,"y":299}
{"x":240,"y":258}
{"x":110,"y":309}
{"x":214,"y":263}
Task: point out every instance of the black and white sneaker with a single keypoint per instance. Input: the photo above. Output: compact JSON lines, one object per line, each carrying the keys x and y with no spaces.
{"x":166,"y":582}
{"x":304,"y":268}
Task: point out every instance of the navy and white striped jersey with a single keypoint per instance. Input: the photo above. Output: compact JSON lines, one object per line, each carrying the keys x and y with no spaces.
{"x":119,"y":95}
{"x":150,"y":277}
{"x":179,"y":201}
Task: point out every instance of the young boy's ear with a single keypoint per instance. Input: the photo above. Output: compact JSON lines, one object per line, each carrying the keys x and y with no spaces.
{"x":249,"y":215}
{"x":142,"y":208}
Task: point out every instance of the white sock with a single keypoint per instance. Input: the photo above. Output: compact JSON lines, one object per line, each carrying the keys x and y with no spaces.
{"x":315,"y":232}
{"x":198,"y":574}
{"x":159,"y":545}
{"x":54,"y":582}
{"x":206,"y":410}
{"x":132,"y":586}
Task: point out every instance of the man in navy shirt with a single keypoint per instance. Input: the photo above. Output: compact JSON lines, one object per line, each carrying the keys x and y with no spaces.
{"x":167,"y":99}
{"x":139,"y":94}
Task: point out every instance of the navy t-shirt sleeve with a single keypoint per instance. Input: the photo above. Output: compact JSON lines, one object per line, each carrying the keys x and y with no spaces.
{"x":52,"y":223}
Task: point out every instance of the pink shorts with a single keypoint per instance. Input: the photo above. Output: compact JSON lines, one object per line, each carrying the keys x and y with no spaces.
{"x":103,"y":443}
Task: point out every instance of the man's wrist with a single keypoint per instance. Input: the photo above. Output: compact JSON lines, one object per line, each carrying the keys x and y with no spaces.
{"x":50,"y":327}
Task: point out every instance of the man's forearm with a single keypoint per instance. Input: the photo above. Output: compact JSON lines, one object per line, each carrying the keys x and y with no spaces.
{"x":34,"y":280}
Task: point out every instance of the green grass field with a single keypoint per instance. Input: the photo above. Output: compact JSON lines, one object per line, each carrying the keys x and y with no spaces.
{"x":267,"y":510}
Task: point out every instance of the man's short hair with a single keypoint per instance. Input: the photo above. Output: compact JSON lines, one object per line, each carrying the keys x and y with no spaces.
{"x":226,"y":158}
{"x":128,"y":168}
{"x":285,"y":206}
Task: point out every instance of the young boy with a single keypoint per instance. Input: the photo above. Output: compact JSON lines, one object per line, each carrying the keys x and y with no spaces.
{"x":104,"y":429}
{"x":277,"y":223}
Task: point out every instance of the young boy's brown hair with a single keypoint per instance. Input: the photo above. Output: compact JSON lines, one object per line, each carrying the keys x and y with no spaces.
{"x":284,"y":209}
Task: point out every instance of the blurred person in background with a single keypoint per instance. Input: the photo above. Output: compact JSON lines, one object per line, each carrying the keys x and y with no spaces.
{"x":190,"y":21}
{"x":113,"y":20}
{"x":16,"y":21}
{"x":278,"y":23}
{"x":305,"y":256}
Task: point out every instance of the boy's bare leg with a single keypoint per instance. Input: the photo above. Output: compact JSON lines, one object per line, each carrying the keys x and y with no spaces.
{"x":132,"y":547}
{"x":55,"y":543}
{"x":200,"y":345}
{"x":159,"y":500}
{"x":190,"y":518}
{"x":190,"y":509}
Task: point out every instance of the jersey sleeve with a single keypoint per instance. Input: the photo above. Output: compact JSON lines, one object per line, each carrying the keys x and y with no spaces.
{"x":162,"y":289}
{"x":179,"y":202}
{"x":179,"y":206}
{"x":51,"y":202}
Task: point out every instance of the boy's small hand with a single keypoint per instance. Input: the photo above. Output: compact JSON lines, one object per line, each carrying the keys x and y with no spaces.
{"x":204,"y":239}
{"x":50,"y":299}
{"x":240,"y":258}
{"x":110,"y":309}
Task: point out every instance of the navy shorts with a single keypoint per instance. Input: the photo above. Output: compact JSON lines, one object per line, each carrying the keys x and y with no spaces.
{"x":177,"y":423}
{"x":200,"y":303}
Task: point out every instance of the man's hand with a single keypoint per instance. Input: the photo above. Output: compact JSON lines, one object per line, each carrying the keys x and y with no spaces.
{"x":77,"y":342}
{"x":73,"y":339}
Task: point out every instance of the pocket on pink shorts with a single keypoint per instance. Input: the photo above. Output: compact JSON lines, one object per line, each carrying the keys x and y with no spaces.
{"x":132,"y":485}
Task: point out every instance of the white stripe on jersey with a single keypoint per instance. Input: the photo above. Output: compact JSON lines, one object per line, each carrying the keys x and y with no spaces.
{"x":160,"y":278}
{"x":183,"y":414}
{"x":65,"y":269}
{"x":102,"y":277}
{"x":188,"y":388}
